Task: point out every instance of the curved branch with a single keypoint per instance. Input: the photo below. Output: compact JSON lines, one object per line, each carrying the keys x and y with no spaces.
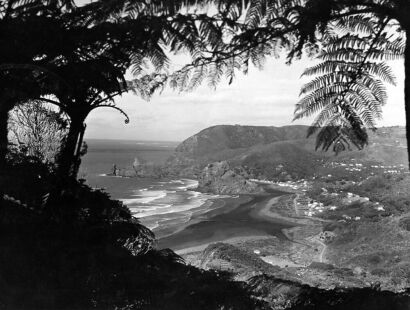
{"x":110,"y":97}
{"x":57,"y":103}
{"x":127,"y":119}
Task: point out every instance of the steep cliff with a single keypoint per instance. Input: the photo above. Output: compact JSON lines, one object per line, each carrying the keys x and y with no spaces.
{"x":220,"y":178}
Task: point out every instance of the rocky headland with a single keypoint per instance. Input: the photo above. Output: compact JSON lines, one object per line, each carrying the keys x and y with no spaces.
{"x":220,"y":178}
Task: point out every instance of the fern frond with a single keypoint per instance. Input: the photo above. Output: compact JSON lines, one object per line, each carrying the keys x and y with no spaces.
{"x":358,"y":23}
{"x":348,"y":91}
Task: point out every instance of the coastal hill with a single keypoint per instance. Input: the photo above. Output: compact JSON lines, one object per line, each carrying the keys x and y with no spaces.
{"x":217,"y":138}
{"x":277,"y":152}
{"x":242,"y":145}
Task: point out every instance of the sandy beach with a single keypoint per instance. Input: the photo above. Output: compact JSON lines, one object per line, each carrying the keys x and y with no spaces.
{"x":265,"y":211}
{"x":244,"y":217}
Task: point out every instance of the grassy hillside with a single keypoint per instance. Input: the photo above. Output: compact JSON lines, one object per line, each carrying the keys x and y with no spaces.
{"x":279,"y":152}
{"x":226,"y":137}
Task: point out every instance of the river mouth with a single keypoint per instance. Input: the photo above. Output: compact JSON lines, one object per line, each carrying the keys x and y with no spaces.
{"x":237,"y":218}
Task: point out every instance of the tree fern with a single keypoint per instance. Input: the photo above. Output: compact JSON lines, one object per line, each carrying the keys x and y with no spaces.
{"x":348,"y":88}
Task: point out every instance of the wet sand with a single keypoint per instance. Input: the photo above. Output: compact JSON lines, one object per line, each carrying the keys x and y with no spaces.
{"x":239,"y":217}
{"x":266,"y":211}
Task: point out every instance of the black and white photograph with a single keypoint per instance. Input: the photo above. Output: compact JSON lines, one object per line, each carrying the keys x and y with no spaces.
{"x":204,"y":155}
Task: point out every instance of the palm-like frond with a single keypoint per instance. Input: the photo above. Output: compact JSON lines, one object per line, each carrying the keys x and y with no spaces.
{"x":146,"y":85}
{"x":234,"y":38}
{"x":348,"y":89}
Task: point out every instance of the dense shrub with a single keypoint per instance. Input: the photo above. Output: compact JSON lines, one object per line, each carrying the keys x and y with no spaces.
{"x":380,"y":272}
{"x":405,"y":223}
{"x":374,"y":259}
{"x":105,"y":265}
{"x":343,"y":272}
{"x":295,"y":296}
{"x":322,"y":266}
{"x":26,"y":178}
{"x":64,"y":245}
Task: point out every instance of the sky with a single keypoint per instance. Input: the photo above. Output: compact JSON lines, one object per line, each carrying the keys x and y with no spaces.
{"x":265,"y":98}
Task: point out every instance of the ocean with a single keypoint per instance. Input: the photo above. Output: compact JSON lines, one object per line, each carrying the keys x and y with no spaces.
{"x":164,"y":206}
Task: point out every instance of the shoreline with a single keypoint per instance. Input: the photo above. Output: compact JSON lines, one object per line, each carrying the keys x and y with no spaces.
{"x":197,"y":216}
{"x":266,"y":212}
{"x":242,"y":217}
{"x":261,"y":209}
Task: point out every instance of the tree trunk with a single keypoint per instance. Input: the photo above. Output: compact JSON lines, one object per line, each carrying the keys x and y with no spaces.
{"x":78,"y":152}
{"x":4,"y":113}
{"x":5,"y":107}
{"x":407,"y":90}
{"x":4,"y":116}
{"x":58,"y":207}
{"x":67,"y":158}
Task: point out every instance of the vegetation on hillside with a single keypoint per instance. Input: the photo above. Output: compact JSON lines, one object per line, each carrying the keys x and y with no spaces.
{"x":283,"y":154}
{"x":37,"y":130}
{"x":89,"y":252}
{"x":65,"y":245}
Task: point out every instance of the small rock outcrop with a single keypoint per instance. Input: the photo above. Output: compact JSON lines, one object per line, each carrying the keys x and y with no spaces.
{"x":140,"y":169}
{"x":143,"y":168}
{"x":220,"y":178}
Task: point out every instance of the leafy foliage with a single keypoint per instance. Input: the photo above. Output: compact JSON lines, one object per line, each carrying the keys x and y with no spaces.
{"x":355,"y":39}
{"x":37,"y":130}
{"x":348,"y":91}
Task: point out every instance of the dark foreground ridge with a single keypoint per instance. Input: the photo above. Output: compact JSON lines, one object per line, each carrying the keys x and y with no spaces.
{"x":97,"y":266}
{"x":303,"y":297}
{"x":97,"y":256}
{"x":107,"y":264}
